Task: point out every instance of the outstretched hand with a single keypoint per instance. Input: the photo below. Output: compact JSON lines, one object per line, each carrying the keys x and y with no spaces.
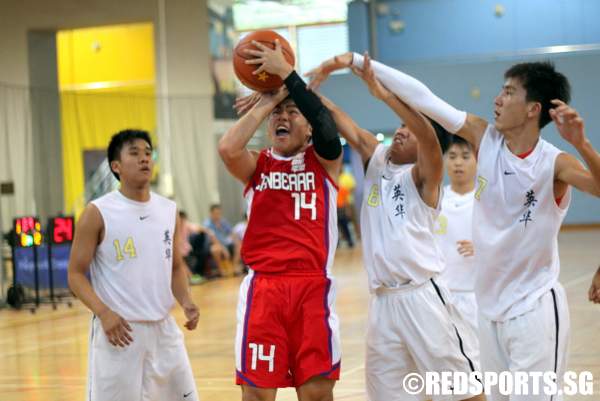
{"x":568,"y":122}
{"x":367,"y":74}
{"x":316,"y":76}
{"x":271,"y":61}
{"x":320,"y":73}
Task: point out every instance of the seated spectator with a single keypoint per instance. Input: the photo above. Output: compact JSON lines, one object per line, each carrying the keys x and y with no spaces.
{"x":201,"y":250}
{"x":222,"y":230}
{"x":238,"y":236}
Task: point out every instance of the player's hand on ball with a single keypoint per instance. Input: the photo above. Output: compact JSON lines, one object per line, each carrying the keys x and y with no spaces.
{"x":465,"y":248}
{"x":192,"y":315}
{"x":594,"y":291}
{"x":270,"y":60}
{"x":243,"y":104}
{"x":272,"y":99}
{"x":116,"y":328}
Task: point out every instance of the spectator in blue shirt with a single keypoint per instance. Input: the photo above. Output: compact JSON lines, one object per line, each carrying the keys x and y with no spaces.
{"x":224,"y":233}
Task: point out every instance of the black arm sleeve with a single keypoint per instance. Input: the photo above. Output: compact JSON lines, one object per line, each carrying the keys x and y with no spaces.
{"x":324,"y":131}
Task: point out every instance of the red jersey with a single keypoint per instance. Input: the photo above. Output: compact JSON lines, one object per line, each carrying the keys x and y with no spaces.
{"x":292,"y":226}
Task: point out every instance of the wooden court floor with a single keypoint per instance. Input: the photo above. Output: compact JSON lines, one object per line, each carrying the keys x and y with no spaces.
{"x":43,"y":357}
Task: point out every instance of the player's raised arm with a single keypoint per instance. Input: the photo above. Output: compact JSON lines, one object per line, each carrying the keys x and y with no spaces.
{"x":429,"y":169}
{"x":361,"y":140}
{"x":568,"y":169}
{"x":240,"y":161}
{"x":412,"y":92}
{"x":88,"y":235}
{"x":325,"y":136}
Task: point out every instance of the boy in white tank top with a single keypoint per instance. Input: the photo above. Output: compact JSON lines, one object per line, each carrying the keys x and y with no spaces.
{"x":127,"y":241}
{"x":453,"y":229}
{"x":413,"y":326}
{"x":522,"y":197}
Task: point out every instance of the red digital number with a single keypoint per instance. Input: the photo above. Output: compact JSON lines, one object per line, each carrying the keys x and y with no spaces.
{"x":62,"y":230}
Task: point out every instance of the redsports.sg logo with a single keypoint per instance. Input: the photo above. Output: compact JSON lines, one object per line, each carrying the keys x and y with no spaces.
{"x":505,"y":383}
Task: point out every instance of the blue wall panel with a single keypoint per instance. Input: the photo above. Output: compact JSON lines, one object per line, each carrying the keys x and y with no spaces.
{"x":454,"y":81}
{"x":451,"y":28}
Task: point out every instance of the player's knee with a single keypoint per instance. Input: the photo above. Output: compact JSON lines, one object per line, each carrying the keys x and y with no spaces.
{"x":316,"y":389}
{"x":257,"y":394}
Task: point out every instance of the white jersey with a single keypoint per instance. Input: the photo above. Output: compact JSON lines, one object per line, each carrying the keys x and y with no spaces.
{"x":397,"y":227}
{"x":132,"y":268}
{"x":454,"y":224}
{"x":515,"y":227}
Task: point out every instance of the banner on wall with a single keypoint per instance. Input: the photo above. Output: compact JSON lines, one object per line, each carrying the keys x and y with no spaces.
{"x":222,"y":40}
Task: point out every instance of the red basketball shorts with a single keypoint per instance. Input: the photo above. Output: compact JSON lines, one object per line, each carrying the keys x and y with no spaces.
{"x":287,"y":330}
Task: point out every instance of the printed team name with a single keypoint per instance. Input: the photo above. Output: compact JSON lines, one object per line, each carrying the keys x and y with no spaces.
{"x":296,"y":182}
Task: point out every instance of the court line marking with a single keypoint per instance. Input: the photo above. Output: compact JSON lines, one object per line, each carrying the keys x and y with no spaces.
{"x":581,"y":279}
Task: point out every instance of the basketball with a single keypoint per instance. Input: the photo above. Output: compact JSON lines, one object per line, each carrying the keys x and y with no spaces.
{"x":263,"y":82}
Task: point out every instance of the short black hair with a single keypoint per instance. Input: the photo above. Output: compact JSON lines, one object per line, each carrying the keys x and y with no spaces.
{"x":121,"y":138}
{"x":542,"y":83}
{"x":215,"y":206}
{"x":458,"y":141}
{"x":444,"y":137}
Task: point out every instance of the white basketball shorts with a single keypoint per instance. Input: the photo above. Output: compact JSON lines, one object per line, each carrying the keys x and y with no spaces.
{"x":155,"y":366}
{"x":415,"y":329}
{"x":536,"y":341}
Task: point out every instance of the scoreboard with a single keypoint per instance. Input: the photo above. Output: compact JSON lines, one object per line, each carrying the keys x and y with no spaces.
{"x":60,"y":229}
{"x":41,"y":254}
{"x":28,"y":232}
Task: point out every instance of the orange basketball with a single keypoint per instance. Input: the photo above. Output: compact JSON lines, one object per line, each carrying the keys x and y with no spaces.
{"x":263,"y":82}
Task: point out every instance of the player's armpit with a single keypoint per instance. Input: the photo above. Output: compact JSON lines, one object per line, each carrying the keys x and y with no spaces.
{"x":473,"y":129}
{"x":570,"y":171}
{"x":242,"y":165}
{"x":333,"y":167}
{"x":87,"y":236}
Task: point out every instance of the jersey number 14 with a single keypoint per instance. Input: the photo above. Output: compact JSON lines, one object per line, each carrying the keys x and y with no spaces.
{"x":300,"y":203}
{"x":128,"y":249}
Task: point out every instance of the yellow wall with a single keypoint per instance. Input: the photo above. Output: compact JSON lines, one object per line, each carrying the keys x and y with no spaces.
{"x":106,"y":79}
{"x":123,"y":53}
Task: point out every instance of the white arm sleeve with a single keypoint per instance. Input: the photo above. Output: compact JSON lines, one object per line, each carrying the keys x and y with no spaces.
{"x":416,"y":94}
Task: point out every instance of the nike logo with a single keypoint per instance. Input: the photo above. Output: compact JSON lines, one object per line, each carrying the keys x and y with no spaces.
{"x":508,"y":172}
{"x":144,"y":217}
{"x":186,"y":395}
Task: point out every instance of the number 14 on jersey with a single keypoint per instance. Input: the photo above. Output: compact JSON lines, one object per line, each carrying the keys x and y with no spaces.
{"x":301,"y":203}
